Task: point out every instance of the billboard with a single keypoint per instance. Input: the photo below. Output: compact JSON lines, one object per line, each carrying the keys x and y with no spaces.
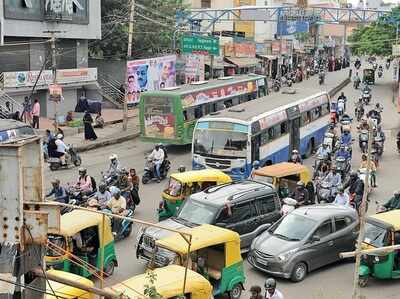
{"x":291,"y":27}
{"x":149,"y":74}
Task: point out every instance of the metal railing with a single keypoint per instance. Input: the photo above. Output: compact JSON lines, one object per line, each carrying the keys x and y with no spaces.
{"x":13,"y":105}
{"x":110,"y":89}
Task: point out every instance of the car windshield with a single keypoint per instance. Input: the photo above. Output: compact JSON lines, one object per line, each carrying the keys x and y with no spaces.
{"x":263,"y":179}
{"x":293,"y":227}
{"x":220,"y":142}
{"x":375,"y":235}
{"x":174,"y":187}
{"x":196,"y":212}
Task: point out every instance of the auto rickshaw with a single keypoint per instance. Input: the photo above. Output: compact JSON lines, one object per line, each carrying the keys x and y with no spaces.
{"x":168,"y":284}
{"x":66,"y":291}
{"x":369,"y":76}
{"x":81,"y":235}
{"x":183,"y":184}
{"x":214,"y":253}
{"x":381,"y":230}
{"x":284,"y":176}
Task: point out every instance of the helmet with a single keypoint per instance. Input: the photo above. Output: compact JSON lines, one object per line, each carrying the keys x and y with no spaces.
{"x":270,"y":284}
{"x":113,"y":157}
{"x":82,"y":171}
{"x":182,"y":168}
{"x":300,"y":184}
{"x":55,"y":181}
{"x":256,"y":164}
{"x":295,"y":151}
{"x":396,"y":193}
{"x":102,"y":187}
{"x":331,"y":126}
{"x":342,"y":146}
{"x":59,"y":136}
{"x":114,"y":190}
{"x":353,"y":174}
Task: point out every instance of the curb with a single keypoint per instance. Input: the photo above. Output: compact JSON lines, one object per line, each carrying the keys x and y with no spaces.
{"x":110,"y":141}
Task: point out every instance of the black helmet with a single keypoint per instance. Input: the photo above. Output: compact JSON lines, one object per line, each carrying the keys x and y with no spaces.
{"x":270,"y":284}
{"x":102,"y":187}
{"x":182,"y":168}
{"x":353,"y":174}
{"x":82,"y":171}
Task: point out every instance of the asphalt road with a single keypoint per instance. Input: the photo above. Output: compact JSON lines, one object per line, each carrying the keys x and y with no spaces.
{"x":334,"y":281}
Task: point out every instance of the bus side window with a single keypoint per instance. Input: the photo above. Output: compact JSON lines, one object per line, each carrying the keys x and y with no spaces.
{"x":207,"y":109}
{"x":235,"y":101}
{"x":315,"y":114}
{"x":277,"y":131}
{"x":264,"y":138}
{"x":324,"y":110}
{"x":198,"y":113}
{"x":271,"y":133}
{"x":284,"y":128}
{"x":190,"y":114}
{"x":185,"y":115}
{"x":305,"y":118}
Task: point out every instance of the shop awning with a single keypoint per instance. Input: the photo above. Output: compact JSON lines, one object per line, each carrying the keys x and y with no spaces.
{"x":269,"y":57}
{"x":243,"y":61}
{"x":218,"y":64}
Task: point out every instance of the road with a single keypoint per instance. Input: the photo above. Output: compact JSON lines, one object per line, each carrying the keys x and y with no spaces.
{"x":334,"y":281}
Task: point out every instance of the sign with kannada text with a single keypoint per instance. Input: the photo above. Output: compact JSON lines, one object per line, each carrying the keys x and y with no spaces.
{"x":200,"y":45}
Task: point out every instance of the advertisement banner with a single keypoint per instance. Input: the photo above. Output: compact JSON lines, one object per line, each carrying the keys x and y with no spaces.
{"x":76,"y":75}
{"x":160,"y":126}
{"x":202,"y":97}
{"x":292,"y":27}
{"x":275,"y":47}
{"x":55,"y":92}
{"x":240,"y":50}
{"x":150,"y":74}
{"x":189,"y":68}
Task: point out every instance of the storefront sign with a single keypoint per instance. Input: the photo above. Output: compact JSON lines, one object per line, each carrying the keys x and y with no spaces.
{"x":55,"y":92}
{"x":211,"y":95}
{"x":160,"y":126}
{"x":76,"y":75}
{"x":291,"y":27}
{"x":203,"y":45}
{"x":280,"y":47}
{"x":240,"y":50}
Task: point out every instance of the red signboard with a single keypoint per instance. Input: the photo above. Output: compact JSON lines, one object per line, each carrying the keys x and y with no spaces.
{"x":159,"y":126}
{"x":205,"y":96}
{"x":240,"y":50}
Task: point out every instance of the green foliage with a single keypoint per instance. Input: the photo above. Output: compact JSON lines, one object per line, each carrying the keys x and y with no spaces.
{"x":149,"y":289}
{"x":302,"y":36}
{"x":377,"y":38}
{"x":154,"y":24}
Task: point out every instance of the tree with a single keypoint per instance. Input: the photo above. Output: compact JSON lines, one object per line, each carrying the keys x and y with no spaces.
{"x":154,"y":26}
{"x":377,"y":38}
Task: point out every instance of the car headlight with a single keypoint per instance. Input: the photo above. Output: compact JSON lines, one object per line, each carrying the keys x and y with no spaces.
{"x":286,"y":255}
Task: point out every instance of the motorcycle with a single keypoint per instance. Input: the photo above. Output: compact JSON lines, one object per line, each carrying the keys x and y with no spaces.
{"x":378,"y":145}
{"x":359,"y":112}
{"x":124,"y":227}
{"x":324,"y":192}
{"x":276,"y":85}
{"x":345,"y":124}
{"x":342,"y":166}
{"x":71,"y":158}
{"x":356,"y":84}
{"x":76,"y":197}
{"x":387,"y":65}
{"x":329,"y":140}
{"x":321,"y":78}
{"x":150,"y":170}
{"x":363,"y":141}
{"x":366,"y":96}
{"x":288,"y":205}
{"x":380,"y":73}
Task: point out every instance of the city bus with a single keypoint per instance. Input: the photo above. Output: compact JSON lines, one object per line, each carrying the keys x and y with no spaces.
{"x":169,"y":115}
{"x":266,"y":129}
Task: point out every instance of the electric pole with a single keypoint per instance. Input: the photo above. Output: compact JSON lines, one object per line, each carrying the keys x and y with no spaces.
{"x":128,"y":54}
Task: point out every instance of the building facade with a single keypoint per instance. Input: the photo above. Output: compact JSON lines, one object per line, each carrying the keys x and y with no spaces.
{"x":26,"y":27}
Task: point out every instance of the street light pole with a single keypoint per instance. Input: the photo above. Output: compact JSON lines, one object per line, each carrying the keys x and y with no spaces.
{"x":128,"y":54}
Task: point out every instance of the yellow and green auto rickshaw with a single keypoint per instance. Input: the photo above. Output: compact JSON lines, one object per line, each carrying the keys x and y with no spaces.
{"x":183,"y":184}
{"x":81,"y":235}
{"x":214,"y":253}
{"x":66,"y":291}
{"x":168,"y":282}
{"x":284,"y":176}
{"x":381,"y":230}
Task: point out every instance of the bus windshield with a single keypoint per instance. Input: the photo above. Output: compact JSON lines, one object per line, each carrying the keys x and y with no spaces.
{"x":220,"y":143}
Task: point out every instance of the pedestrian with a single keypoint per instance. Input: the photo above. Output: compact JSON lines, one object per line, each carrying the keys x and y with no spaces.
{"x":89,"y":131}
{"x":27,"y":109}
{"x":60,"y":131}
{"x":99,"y":121}
{"x":35,"y":114}
{"x":255,"y":292}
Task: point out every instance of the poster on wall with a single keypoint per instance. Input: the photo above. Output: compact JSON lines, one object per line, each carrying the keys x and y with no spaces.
{"x":149,"y":74}
{"x":160,"y":126}
{"x":194,"y":68}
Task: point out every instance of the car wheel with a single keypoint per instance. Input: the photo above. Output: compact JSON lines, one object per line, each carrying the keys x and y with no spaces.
{"x":78,"y":161}
{"x":54,"y":166}
{"x":363,"y":281}
{"x":299,"y":272}
{"x":235,"y":292}
{"x":145,"y":180}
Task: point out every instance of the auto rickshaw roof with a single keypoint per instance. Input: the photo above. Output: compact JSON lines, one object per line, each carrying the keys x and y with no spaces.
{"x":391,"y":218}
{"x":204,"y":175}
{"x":66,"y":291}
{"x":73,"y":222}
{"x":281,"y":170}
{"x":203,"y":236}
{"x":168,"y":283}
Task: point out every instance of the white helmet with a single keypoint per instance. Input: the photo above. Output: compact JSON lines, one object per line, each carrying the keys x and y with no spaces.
{"x":114,"y":190}
{"x":59,"y":136}
{"x":113,"y":156}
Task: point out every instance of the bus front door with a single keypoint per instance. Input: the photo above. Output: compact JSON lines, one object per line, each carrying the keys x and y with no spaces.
{"x":294,"y":117}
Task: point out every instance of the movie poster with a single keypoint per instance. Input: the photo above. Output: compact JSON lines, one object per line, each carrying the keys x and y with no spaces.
{"x":149,"y":74}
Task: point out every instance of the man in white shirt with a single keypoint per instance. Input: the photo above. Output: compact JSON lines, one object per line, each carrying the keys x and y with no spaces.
{"x":157,"y":155}
{"x":270,"y":290}
{"x":61,"y":148}
{"x":342,"y":198}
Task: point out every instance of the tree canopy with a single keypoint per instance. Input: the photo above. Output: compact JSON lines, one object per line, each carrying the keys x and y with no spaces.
{"x":377,"y":38}
{"x":154,"y":25}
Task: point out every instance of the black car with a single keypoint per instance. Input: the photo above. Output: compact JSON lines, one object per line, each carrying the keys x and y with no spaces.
{"x":246,"y":207}
{"x":304,"y":240}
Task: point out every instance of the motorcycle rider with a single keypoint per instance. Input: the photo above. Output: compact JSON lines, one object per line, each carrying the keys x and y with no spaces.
{"x":271,"y":292}
{"x":342,"y":98}
{"x":342,"y":152}
{"x":84,"y":183}
{"x":356,"y":187}
{"x":342,"y":198}
{"x":357,"y":80}
{"x":363,"y":125}
{"x":296,"y":157}
{"x":333,"y":179}
{"x":332,"y":130}
{"x":117,"y":205}
{"x":371,"y":167}
{"x":103,"y":196}
{"x":115,"y":166}
{"x":394,"y":202}
{"x":124,"y":184}
{"x":324,"y":151}
{"x":256,"y":165}
{"x":345,"y":138}
{"x":62,"y":148}
{"x":59,"y":192}
{"x":300,"y":194}
{"x":157,"y":155}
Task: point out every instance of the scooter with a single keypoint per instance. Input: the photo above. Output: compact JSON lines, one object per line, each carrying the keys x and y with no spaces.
{"x":150,"y":170}
{"x":359,"y":112}
{"x":324,"y":192}
{"x":380,"y":73}
{"x":366,"y":96}
{"x":321,"y":78}
{"x":356,"y":84}
{"x":71,"y":158}
{"x":363,"y":141}
{"x":276,"y":85}
{"x":387,"y":65}
{"x":342,"y":166}
{"x":289,"y":205}
{"x":124,"y":227}
{"x":329,"y":140}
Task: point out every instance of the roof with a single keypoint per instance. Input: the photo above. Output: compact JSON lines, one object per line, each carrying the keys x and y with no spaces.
{"x":7,"y":124}
{"x":221,"y":194}
{"x":168,"y":283}
{"x":281,"y":169}
{"x":323,"y":211}
{"x":201,"y":176}
{"x":77,"y":220}
{"x":202,"y":236}
{"x":66,"y":291}
{"x":391,"y":218}
{"x":191,"y":88}
{"x":243,"y":61}
{"x":217,"y":64}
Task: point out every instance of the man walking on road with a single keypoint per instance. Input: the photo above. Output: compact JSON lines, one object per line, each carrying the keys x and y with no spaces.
{"x":35,"y":114}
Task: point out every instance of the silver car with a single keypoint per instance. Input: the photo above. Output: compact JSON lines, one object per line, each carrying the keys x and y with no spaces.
{"x":304,"y":240}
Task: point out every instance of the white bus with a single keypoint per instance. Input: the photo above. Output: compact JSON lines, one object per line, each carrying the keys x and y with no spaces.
{"x":266,"y":129}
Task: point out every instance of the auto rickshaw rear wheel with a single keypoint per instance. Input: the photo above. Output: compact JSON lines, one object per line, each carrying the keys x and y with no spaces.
{"x":363,"y":281}
{"x":109,"y":269}
{"x":235,"y":292}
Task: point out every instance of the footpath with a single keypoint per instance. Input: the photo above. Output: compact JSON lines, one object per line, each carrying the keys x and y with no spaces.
{"x":112,"y":133}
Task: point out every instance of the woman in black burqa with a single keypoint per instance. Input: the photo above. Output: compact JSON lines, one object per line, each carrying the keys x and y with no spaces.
{"x":89,"y":131}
